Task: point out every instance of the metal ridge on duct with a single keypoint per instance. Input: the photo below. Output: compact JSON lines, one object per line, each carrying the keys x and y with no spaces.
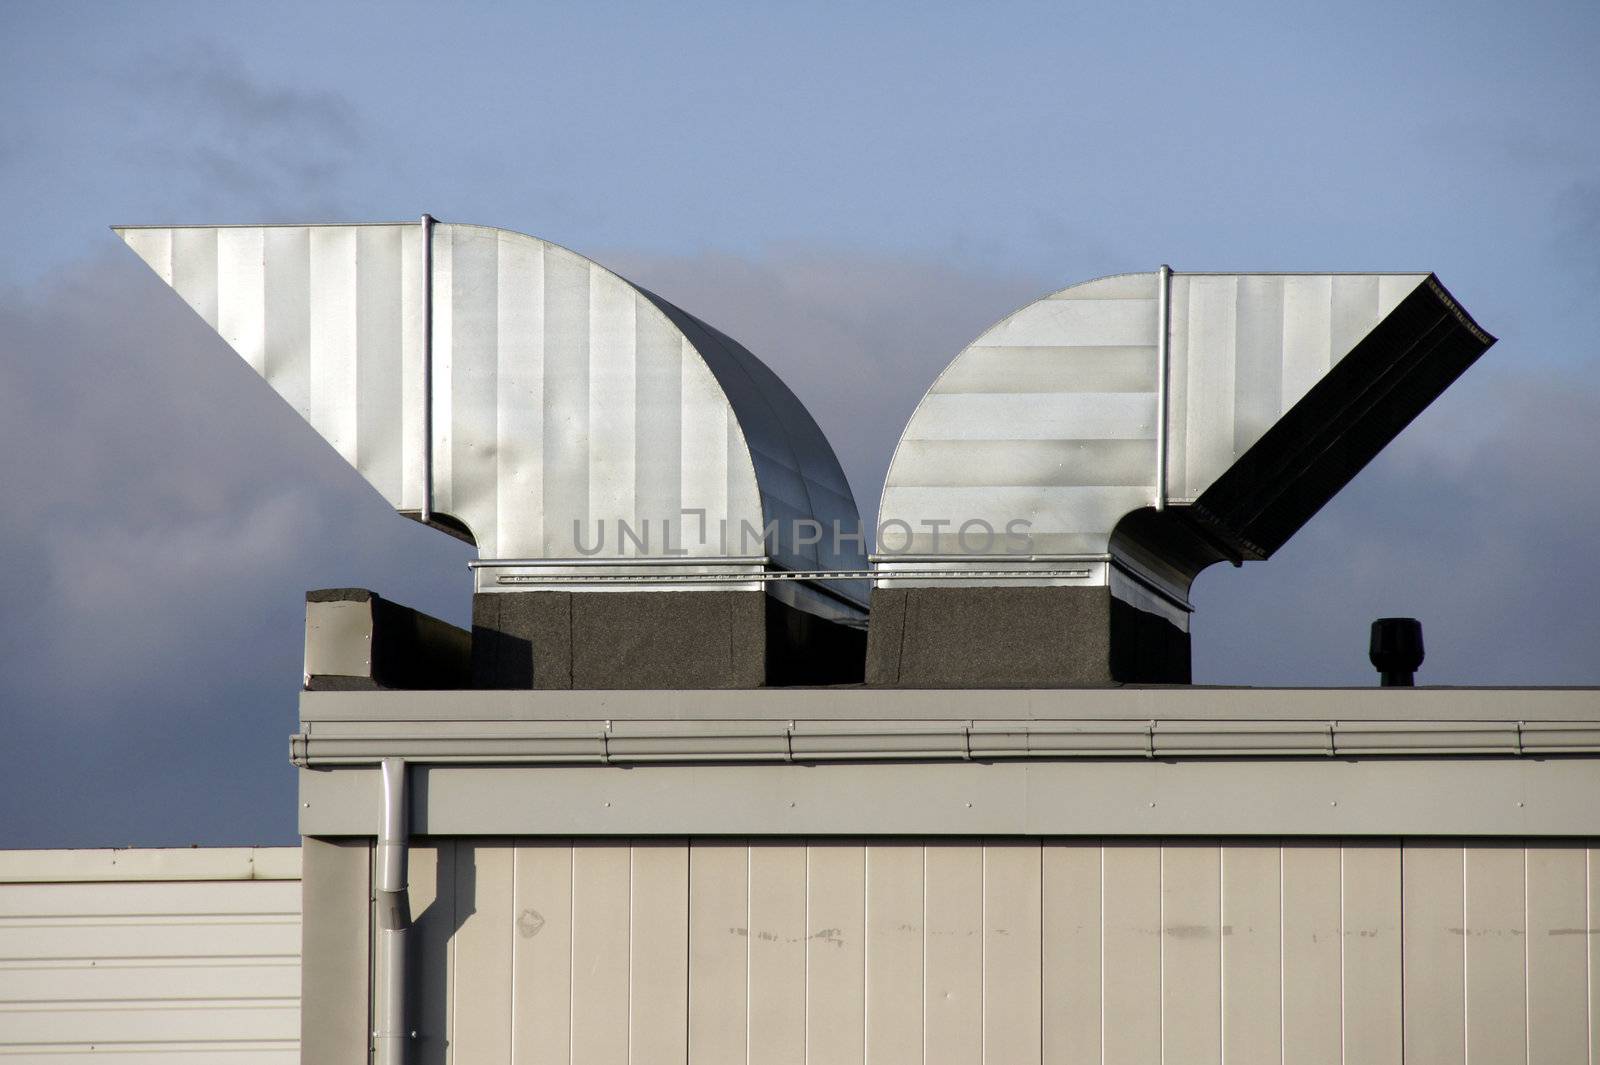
{"x":1144,"y":426}
{"x":516,"y":394}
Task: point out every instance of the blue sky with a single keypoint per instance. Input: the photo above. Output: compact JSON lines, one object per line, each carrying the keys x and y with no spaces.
{"x":854,"y":191}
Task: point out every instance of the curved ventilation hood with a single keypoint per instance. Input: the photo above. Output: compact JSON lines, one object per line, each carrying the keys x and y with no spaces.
{"x":1131,"y":431}
{"x":584,"y":433}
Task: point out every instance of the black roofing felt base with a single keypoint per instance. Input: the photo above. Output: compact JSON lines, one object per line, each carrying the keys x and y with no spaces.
{"x":598,"y":640}
{"x":919,"y":638}
{"x":1019,"y":638}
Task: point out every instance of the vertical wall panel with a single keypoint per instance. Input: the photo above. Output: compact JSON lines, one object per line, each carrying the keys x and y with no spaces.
{"x":154,"y":246}
{"x":194,"y":270}
{"x":1312,"y":1028}
{"x":1178,"y":392}
{"x":953,"y":941}
{"x":613,"y":376}
{"x":1011,"y":953}
{"x":1590,"y":926}
{"x":836,"y":954}
{"x":541,"y":959}
{"x":431,"y":878}
{"x":287,"y":302}
{"x":1213,"y":305}
{"x":332,"y":337}
{"x":601,"y":878}
{"x":658,"y":1024}
{"x":1191,"y":953}
{"x":911,"y":953}
{"x":1071,"y":951}
{"x":336,"y":952}
{"x":1258,"y":359}
{"x":519,"y":412}
{"x":474,"y":381}
{"x":894,"y":954}
{"x":1392,"y":288}
{"x":378,"y":384}
{"x":1435,"y":976}
{"x":1307,"y":334}
{"x":777,"y":954}
{"x":481,"y":994}
{"x":1372,"y":923}
{"x":743,"y":493}
{"x":565,"y":448}
{"x":658,"y":446}
{"x":1354,"y":310}
{"x":1130,"y":894}
{"x":707,"y":466}
{"x":413,"y":398}
{"x":1495,"y":933}
{"x":719,"y":938}
{"x":443,"y":357}
{"x":1558,"y":962}
{"x":1252,"y":1018}
{"x":241,"y":291}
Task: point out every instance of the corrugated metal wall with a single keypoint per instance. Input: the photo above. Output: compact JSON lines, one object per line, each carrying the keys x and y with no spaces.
{"x":888,"y":953}
{"x":148,"y":969}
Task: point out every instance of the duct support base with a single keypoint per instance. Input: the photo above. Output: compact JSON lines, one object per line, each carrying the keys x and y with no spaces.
{"x":1047,"y":637}
{"x":664,"y":640}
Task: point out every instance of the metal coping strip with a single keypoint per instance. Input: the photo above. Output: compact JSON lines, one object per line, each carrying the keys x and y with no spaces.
{"x":786,"y":575}
{"x":592,"y":560}
{"x":955,"y":740}
{"x":818,"y":576}
{"x":1100,"y":557}
{"x":757,"y":560}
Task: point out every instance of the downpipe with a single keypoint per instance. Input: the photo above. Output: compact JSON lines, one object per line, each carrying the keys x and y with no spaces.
{"x":391,"y":1032}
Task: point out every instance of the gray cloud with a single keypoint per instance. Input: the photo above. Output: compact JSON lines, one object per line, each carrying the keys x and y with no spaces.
{"x":1546,"y":145}
{"x":1577,"y":221}
{"x":283,"y":150}
{"x":216,"y":77}
{"x":164,"y":513}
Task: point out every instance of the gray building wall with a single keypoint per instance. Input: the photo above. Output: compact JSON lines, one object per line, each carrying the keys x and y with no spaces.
{"x":150,"y":956}
{"x":836,"y":951}
{"x":859,"y":875}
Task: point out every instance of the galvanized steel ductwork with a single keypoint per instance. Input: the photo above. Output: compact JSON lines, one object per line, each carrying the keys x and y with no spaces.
{"x":584,"y":434}
{"x":562,"y":393}
{"x":1119,"y":436}
{"x":1048,"y":507}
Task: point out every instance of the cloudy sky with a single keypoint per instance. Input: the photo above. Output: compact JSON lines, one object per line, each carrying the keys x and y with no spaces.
{"x":854,"y":191}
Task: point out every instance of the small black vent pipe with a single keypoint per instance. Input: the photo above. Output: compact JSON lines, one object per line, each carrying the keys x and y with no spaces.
{"x":1396,"y":650}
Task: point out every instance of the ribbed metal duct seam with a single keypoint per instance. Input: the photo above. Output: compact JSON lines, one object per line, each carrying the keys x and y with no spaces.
{"x":517,"y":394}
{"x":1131,"y":430}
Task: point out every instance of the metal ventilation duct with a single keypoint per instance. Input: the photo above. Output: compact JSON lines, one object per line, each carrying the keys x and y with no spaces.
{"x":1132,"y":430}
{"x":581,"y":431}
